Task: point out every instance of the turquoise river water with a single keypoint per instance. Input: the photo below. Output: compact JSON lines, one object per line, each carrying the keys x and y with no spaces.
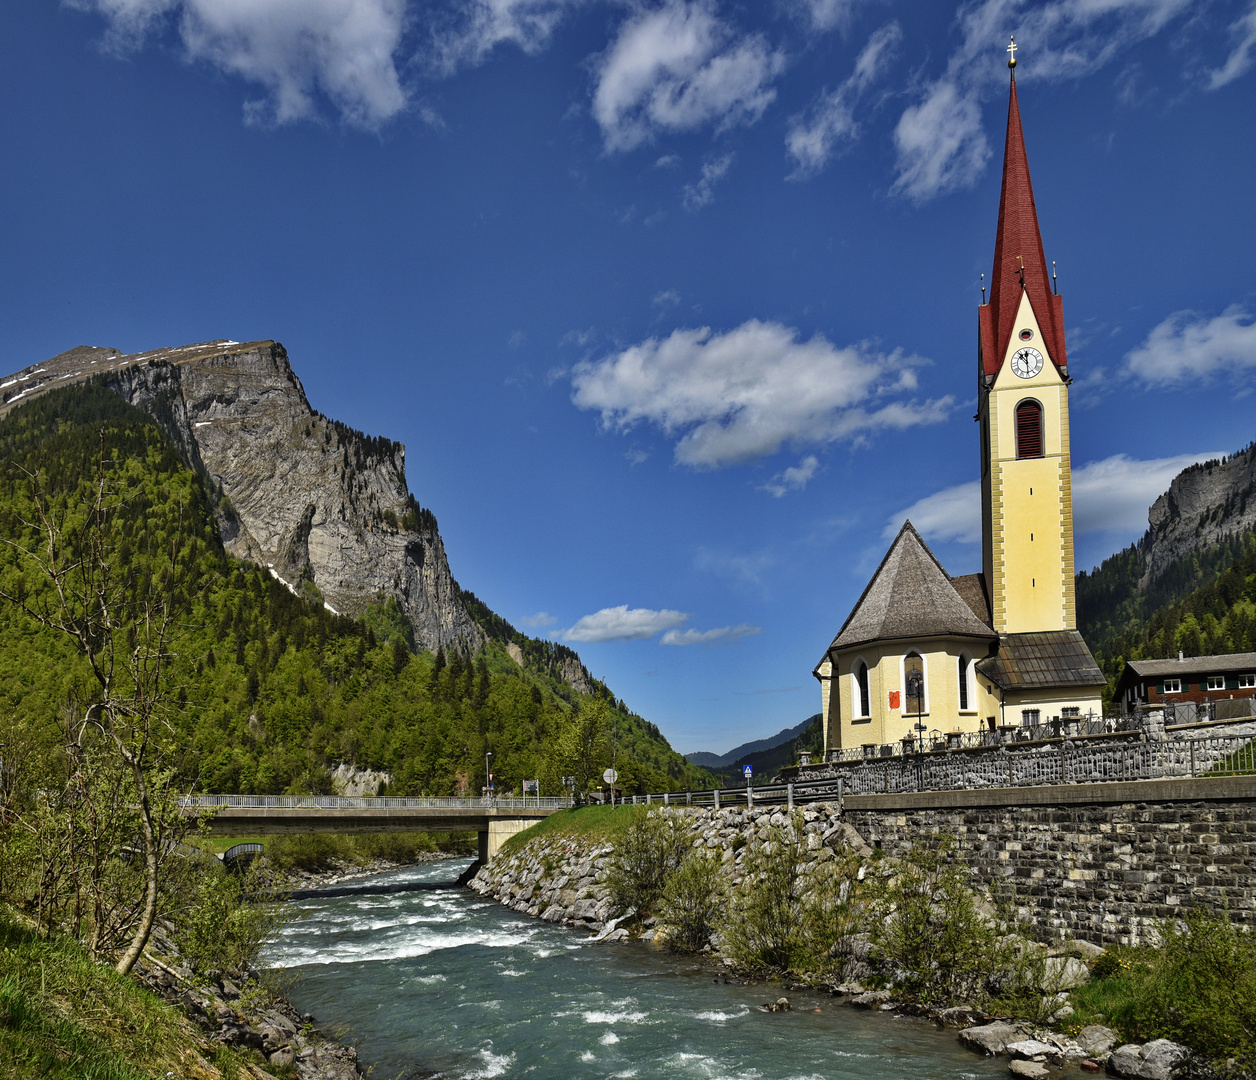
{"x":447,"y":984}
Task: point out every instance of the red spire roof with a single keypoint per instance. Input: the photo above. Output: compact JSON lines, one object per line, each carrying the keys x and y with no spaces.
{"x":1018,"y":236}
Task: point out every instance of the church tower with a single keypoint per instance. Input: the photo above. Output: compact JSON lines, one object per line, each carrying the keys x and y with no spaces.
{"x":1026,"y":486}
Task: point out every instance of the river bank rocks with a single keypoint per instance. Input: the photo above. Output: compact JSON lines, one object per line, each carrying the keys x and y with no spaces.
{"x":562,"y":878}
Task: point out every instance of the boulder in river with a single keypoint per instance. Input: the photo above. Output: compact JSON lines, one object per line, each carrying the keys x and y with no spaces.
{"x":1156,"y":1060}
{"x":1097,"y":1040}
{"x":990,"y":1039}
{"x":1031,"y":1070}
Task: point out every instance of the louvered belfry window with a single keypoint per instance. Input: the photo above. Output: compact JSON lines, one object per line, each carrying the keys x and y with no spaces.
{"x":1028,"y":429}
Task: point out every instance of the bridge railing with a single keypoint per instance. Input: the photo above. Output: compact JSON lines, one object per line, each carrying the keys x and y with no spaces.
{"x":372,"y":802}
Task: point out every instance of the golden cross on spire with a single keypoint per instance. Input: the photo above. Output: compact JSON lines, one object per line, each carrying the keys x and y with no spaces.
{"x":1011,"y":51}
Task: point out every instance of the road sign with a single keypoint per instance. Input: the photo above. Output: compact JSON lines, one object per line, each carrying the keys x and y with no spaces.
{"x":747,"y":770}
{"x":610,"y":776}
{"x":533,"y":786}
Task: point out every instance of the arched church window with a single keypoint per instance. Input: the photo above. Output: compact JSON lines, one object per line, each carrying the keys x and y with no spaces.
{"x":914,"y":682}
{"x":1028,"y":429}
{"x":964,"y":664}
{"x":862,"y":700}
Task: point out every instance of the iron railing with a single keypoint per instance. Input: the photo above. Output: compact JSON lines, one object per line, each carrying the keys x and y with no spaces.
{"x":1003,"y":765}
{"x":373,"y":802}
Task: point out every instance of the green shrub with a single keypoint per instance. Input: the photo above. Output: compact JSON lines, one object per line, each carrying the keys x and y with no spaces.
{"x":1199,"y":988}
{"x":649,"y":852}
{"x":228,"y":917}
{"x":765,"y":925}
{"x":692,"y":900}
{"x":835,"y":912}
{"x":927,"y":925}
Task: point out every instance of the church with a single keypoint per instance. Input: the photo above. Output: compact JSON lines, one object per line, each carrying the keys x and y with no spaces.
{"x":924,"y":654}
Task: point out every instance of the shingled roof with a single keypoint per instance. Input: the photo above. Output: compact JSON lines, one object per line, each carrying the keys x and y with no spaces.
{"x":910,"y":596}
{"x":1039,"y":660}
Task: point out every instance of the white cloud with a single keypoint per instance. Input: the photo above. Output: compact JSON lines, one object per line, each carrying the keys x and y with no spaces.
{"x":812,"y":139}
{"x":477,"y":27}
{"x":1109,"y":496}
{"x":677,"y":68}
{"x":666,"y":298}
{"x":1113,"y":495}
{"x":825,"y":15}
{"x":541,"y":618}
{"x":953,"y":513}
{"x":939,"y":139}
{"x":740,"y":395}
{"x":1190,"y":347}
{"x":741,"y":569}
{"x":723,"y":634}
{"x":793,"y":478}
{"x":296,"y":50}
{"x":1240,"y":60}
{"x":623,"y":623}
{"x":940,"y":143}
{"x":700,"y":194}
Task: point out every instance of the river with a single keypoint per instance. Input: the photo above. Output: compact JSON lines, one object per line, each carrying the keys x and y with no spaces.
{"x":447,"y":984}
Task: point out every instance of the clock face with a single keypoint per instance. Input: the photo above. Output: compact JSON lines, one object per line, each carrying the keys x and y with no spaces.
{"x":1027,"y":362}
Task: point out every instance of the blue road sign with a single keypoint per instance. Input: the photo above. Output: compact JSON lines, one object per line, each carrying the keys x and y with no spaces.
{"x":748,"y":770}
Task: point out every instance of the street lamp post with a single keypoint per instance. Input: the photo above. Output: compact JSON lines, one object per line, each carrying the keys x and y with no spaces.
{"x":488,"y":775}
{"x":916,"y":689}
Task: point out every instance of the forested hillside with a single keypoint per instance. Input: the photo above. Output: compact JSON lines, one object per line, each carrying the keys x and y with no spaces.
{"x":268,"y":689}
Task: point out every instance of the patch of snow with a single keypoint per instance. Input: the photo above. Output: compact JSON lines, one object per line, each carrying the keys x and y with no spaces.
{"x":9,"y":383}
{"x":202,"y":423}
{"x":275,"y":575}
{"x":330,"y":608}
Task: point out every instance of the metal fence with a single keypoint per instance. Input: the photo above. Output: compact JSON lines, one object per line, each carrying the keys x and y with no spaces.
{"x":989,"y":766}
{"x":1010,"y":734}
{"x":372,"y":802}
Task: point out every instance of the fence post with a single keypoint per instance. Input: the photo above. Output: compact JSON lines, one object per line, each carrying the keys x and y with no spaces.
{"x":688,"y":798}
{"x":1192,"y":757}
{"x":717,"y":798}
{"x":749,"y":797}
{"x":666,"y":800}
{"x":789,"y":795}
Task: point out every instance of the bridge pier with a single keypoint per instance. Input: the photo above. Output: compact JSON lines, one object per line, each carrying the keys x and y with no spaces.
{"x":498,"y":832}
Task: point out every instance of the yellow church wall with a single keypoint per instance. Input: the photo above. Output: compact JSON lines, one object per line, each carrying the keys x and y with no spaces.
{"x":885,"y":674}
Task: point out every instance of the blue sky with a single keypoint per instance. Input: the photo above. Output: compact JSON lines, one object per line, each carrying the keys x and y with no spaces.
{"x":673,"y":303}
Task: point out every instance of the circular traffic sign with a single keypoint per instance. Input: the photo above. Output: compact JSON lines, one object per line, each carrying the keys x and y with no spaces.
{"x":610,"y":776}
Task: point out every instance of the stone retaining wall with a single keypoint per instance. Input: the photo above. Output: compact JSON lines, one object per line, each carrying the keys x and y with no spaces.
{"x":1103,"y":863}
{"x":562,"y":878}
{"x":1108,"y":865}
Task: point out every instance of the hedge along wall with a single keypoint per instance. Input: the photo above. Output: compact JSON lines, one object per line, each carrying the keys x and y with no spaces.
{"x":1103,"y":862}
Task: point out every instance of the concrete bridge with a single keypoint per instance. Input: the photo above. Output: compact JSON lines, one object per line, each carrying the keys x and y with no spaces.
{"x":269,"y":815}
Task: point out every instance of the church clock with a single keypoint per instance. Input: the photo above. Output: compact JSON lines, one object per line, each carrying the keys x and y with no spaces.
{"x":1026,"y":362}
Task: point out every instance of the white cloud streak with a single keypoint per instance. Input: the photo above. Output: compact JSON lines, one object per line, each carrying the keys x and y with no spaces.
{"x":1109,"y":496}
{"x":698,"y":195}
{"x":623,"y":623}
{"x":722,"y":635}
{"x":1189,"y":347}
{"x":541,"y":618}
{"x":953,"y":514}
{"x":296,"y":50}
{"x":939,"y":138}
{"x":814,"y":138}
{"x":476,"y":28}
{"x":794,"y":478}
{"x":741,"y":395}
{"x":679,"y":68}
{"x":1240,"y":60}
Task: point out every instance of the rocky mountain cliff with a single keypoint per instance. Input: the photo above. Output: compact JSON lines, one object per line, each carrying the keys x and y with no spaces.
{"x":316,"y":502}
{"x":1204,"y":504}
